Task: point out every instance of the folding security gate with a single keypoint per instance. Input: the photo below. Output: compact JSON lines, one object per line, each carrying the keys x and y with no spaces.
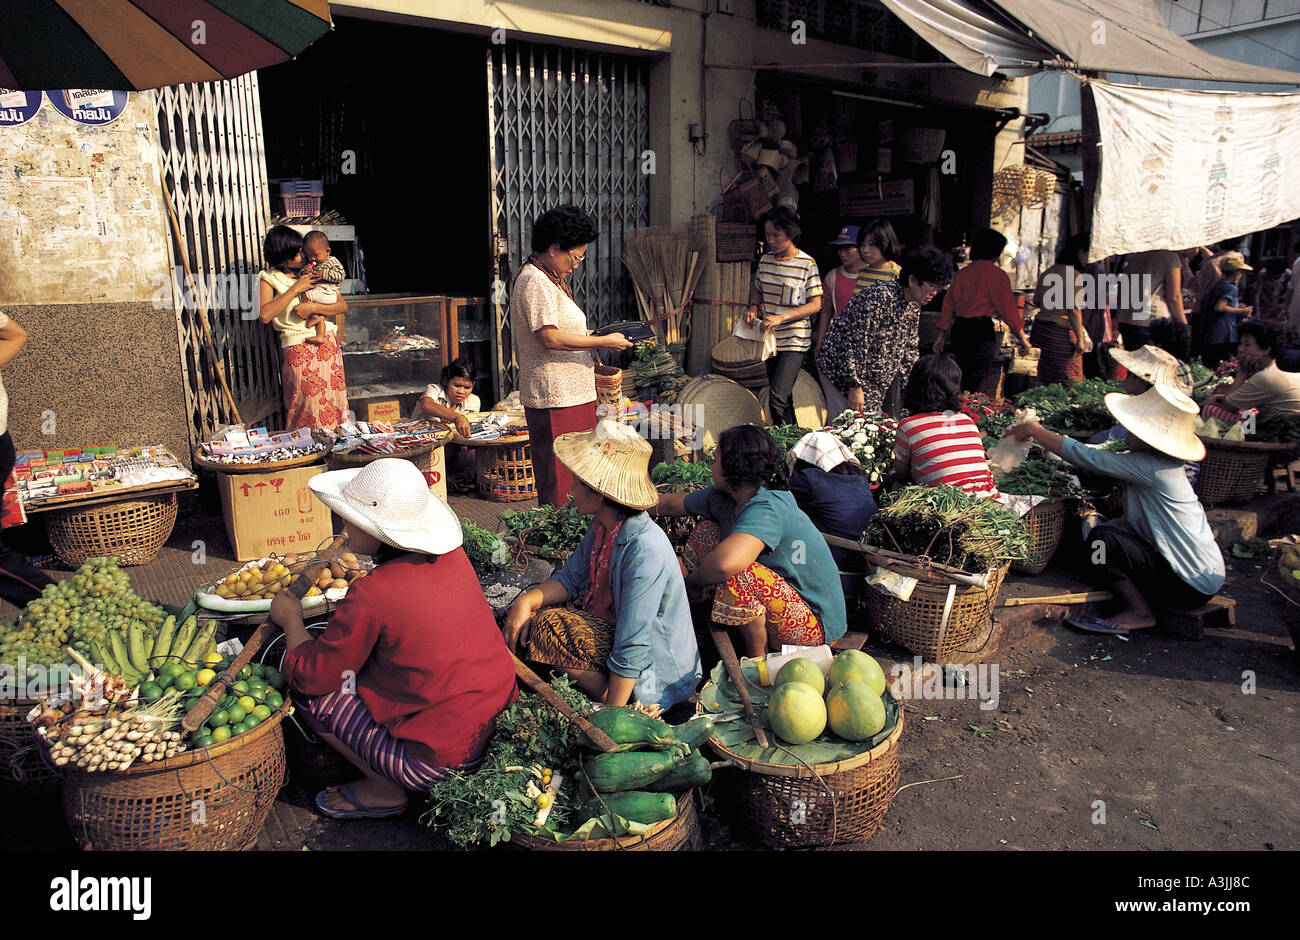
{"x":567,"y":126}
{"x":214,"y":173}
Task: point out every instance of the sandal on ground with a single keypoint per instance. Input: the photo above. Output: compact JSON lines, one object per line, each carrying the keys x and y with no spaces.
{"x":361,"y":811}
{"x":1095,"y":625}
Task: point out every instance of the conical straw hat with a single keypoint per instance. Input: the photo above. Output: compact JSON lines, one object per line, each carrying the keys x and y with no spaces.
{"x":1163,"y":417}
{"x":1152,"y":364}
{"x":613,"y":460}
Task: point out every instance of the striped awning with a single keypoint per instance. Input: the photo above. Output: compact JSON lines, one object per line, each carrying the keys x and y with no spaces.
{"x":139,"y":44}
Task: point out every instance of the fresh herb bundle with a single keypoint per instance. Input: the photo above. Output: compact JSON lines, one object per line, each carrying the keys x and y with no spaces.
{"x":490,"y":804}
{"x":951,"y":527}
{"x":486,"y":551}
{"x":681,"y":476}
{"x":1040,"y":476}
{"x":548,"y":531}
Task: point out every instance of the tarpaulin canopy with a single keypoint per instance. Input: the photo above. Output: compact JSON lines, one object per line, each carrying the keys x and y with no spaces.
{"x":1125,"y":36}
{"x":1182,"y":168}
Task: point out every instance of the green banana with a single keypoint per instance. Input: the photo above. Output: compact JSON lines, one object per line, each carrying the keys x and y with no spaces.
{"x":124,"y":667}
{"x":199,"y":647}
{"x":135,"y":648}
{"x":162,"y":643}
{"x":102,"y":657}
{"x":181,"y":642}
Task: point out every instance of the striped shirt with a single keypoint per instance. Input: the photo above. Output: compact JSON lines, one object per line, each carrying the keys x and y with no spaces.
{"x":785,"y":284}
{"x":869,"y":276}
{"x":945,"y":449}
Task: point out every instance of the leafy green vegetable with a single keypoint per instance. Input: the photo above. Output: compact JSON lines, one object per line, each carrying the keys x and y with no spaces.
{"x":486,"y":551}
{"x":786,"y":436}
{"x":548,"y":531}
{"x":681,"y":476}
{"x":951,"y":527}
{"x":1277,"y":426}
{"x":1040,"y":476}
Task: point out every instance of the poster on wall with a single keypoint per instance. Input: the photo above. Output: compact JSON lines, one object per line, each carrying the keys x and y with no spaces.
{"x":93,"y":106}
{"x":1181,"y":168}
{"x":18,"y":107}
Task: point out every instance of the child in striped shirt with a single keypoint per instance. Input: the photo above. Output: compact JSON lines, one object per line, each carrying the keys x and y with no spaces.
{"x":789,"y":290}
{"x":937,"y":444}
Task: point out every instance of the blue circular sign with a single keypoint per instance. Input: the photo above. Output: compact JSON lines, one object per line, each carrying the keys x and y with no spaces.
{"x":18,"y":107}
{"x":93,"y":106}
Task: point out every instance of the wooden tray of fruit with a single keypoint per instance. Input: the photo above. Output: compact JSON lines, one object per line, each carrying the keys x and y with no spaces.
{"x":251,"y":588}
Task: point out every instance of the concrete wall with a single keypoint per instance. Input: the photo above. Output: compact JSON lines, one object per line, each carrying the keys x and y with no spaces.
{"x":83,"y":254}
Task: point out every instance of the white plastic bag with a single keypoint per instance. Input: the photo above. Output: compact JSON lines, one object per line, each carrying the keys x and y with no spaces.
{"x":1009,"y":453}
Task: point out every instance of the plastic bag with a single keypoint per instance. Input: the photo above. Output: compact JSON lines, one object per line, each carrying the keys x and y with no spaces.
{"x":1009,"y":453}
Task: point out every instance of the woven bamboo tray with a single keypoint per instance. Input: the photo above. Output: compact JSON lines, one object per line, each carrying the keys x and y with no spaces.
{"x":208,"y":463}
{"x":414,"y":454}
{"x":1046,"y":523}
{"x":917,"y":624}
{"x":681,"y":833}
{"x":215,"y":798}
{"x":21,"y":763}
{"x":787,"y":805}
{"x":133,"y":530}
{"x":1231,"y":470}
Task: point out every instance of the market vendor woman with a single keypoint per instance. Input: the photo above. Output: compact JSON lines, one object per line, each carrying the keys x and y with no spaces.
{"x":411,"y":671}
{"x":1162,"y":547}
{"x":627,"y":636}
{"x":770,"y":572}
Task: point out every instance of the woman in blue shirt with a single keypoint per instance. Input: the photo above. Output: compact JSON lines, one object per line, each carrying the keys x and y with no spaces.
{"x":1161,"y":550}
{"x":767,"y":567}
{"x":626,"y":635}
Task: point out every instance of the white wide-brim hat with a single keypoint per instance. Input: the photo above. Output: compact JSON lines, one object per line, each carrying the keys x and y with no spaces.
{"x":390,"y":500}
{"x":1163,"y":417}
{"x":613,"y":460}
{"x":1152,"y":364}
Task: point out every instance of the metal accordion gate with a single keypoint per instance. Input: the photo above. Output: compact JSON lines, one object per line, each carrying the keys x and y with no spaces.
{"x":214,"y":176}
{"x":566,"y":126}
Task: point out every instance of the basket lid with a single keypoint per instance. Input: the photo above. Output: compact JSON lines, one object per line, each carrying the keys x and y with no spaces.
{"x":737,"y":351}
{"x":724,"y":404}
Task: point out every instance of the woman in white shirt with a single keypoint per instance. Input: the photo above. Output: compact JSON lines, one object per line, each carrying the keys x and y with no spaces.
{"x":454,"y":397}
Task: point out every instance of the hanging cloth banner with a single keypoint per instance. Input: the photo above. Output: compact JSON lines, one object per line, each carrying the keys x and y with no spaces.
{"x":1181,"y":168}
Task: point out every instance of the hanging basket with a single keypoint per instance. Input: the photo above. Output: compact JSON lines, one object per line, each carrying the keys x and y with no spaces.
{"x":133,"y":530}
{"x":735,"y":241}
{"x":214,"y":798}
{"x":1046,"y":523}
{"x":681,"y":833}
{"x":1231,"y":470}
{"x":919,"y":624}
{"x":799,"y":805}
{"x":923,"y":144}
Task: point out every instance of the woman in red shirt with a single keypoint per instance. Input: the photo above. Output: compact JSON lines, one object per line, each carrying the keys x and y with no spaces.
{"x":936,"y":444}
{"x":411,"y":672}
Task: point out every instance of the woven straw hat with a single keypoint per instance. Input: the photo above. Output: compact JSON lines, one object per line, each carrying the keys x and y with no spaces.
{"x":1152,"y":364}
{"x":390,"y":500}
{"x":1234,"y":261}
{"x":1163,"y":417}
{"x":613,"y":460}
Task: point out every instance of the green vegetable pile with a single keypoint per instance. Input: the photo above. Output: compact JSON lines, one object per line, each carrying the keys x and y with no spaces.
{"x":949,"y":526}
{"x":1276,"y":426}
{"x":486,"y":551}
{"x":1080,"y":408}
{"x":786,"y":436}
{"x":547,"y":531}
{"x":1040,"y":476}
{"x":657,"y":369}
{"x":681,"y":476}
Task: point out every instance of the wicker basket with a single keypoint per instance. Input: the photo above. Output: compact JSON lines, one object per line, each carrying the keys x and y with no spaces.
{"x":681,"y":833}
{"x":923,"y":144}
{"x":917,"y":624}
{"x":21,"y":764}
{"x":1231,"y":471}
{"x":348,"y":461}
{"x":505,"y":473}
{"x":1046,"y":523}
{"x":216,"y":798}
{"x":787,"y":805}
{"x":133,"y":530}
{"x":736,"y":241}
{"x":609,"y":385}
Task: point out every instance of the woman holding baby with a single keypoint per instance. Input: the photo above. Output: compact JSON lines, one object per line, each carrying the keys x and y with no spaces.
{"x":315,"y":391}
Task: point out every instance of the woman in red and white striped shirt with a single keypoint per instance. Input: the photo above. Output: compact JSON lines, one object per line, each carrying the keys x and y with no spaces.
{"x":937,"y":444}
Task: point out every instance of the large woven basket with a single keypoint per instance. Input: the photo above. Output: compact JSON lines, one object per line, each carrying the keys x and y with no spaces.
{"x":1046,"y":523}
{"x":735,"y":241}
{"x":793,"y":805}
{"x":918,"y":625}
{"x":1231,"y":470}
{"x":723,"y":405}
{"x":681,"y":833}
{"x":216,"y":798}
{"x":21,"y":764}
{"x":505,"y":473}
{"x":133,"y":530}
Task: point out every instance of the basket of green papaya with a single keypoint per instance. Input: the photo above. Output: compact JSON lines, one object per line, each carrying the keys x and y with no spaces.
{"x":541,"y":785}
{"x":831,"y":770}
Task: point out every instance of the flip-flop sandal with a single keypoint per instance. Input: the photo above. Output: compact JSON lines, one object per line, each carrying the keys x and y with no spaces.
{"x":361,"y":811}
{"x":1095,"y":625}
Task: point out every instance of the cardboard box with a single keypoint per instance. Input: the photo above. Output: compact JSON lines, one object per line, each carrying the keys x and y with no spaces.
{"x":390,"y":410}
{"x":273,"y":512}
{"x":434,"y":467}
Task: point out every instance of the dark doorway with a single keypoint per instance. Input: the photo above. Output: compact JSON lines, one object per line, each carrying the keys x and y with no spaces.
{"x":410,"y":104}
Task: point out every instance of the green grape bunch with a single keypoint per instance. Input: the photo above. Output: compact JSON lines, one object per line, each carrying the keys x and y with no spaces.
{"x":97,"y":598}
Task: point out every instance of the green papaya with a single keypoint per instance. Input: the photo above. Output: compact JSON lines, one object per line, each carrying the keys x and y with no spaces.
{"x":694,"y":733}
{"x":630,"y":727}
{"x":694,"y":772}
{"x":638,"y":806}
{"x":631,"y":770}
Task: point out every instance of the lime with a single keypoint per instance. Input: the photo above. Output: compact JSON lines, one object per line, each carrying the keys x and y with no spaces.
{"x":213,"y":659}
{"x":186,"y":681}
{"x":219,"y":717}
{"x":205,"y":677}
{"x":241,"y":728}
{"x":274,"y":678}
{"x":257,"y":688}
{"x":174,"y":669}
{"x":248,"y":702}
{"x":205,"y":738}
{"x":245,"y":672}
{"x":241,"y":687}
{"x":151,"y":691}
{"x":274,"y":699}
{"x":196,"y":739}
{"x":164,"y":680}
{"x":220,"y":734}
{"x":261,"y":713}
{"x":236,"y":713}
{"x":259,"y":669}
{"x":252,"y":721}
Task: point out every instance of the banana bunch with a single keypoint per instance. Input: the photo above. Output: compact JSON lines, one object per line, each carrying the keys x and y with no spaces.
{"x":135,"y":660}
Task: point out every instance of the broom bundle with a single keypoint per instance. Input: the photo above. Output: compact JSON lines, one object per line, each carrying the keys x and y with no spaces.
{"x":664,"y":272}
